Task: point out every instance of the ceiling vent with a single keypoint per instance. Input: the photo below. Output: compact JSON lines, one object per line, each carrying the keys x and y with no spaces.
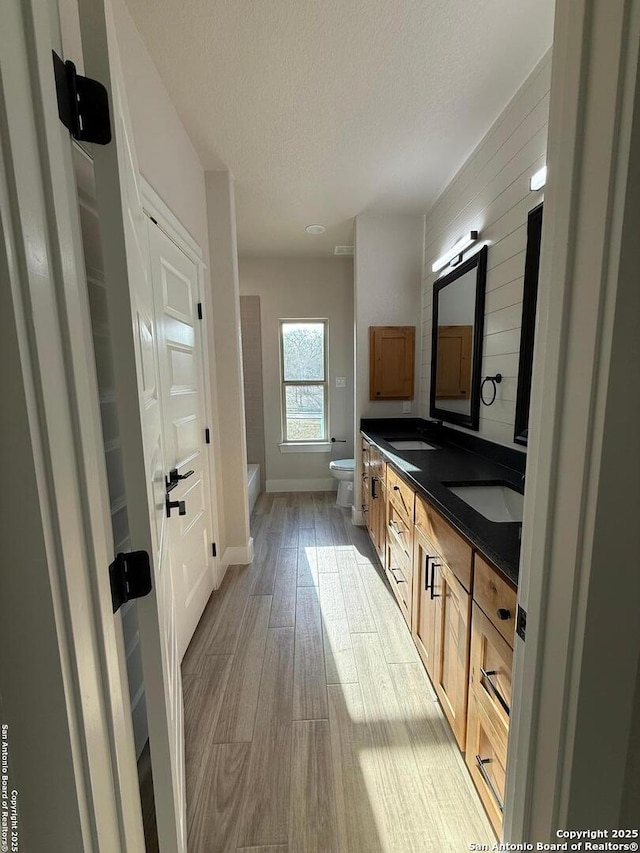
{"x":343,"y":250}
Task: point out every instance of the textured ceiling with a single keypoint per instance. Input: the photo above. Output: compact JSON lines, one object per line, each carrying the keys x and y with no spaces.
{"x":325,"y":108}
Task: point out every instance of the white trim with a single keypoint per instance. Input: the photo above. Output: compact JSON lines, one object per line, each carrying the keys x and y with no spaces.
{"x":305,"y":447}
{"x":166,"y":219}
{"x":238,"y":555}
{"x":357,"y":517}
{"x":578,"y":578}
{"x":318,"y":484}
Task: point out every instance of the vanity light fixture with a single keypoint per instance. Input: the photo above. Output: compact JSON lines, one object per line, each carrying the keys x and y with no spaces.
{"x":315,"y":229}
{"x":455,"y":251}
{"x":538,"y":180}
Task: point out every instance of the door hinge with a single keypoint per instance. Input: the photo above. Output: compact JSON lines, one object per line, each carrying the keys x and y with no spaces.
{"x":130,"y":577}
{"x":214,"y":550}
{"x":207,"y":436}
{"x":521,"y":623}
{"x":199,"y":310}
{"x":83,"y":104}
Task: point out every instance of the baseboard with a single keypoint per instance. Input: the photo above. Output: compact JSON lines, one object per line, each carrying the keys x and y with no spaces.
{"x":238,"y":555}
{"x":357,"y":517}
{"x":319,"y":484}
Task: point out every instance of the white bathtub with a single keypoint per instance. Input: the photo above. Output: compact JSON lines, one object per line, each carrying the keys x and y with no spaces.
{"x":253,"y":483}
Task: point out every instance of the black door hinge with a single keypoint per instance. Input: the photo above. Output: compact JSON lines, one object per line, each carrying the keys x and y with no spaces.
{"x":83,"y":104}
{"x":130,"y":577}
{"x":521,"y":623}
{"x":214,"y":550}
{"x":207,"y":436}
{"x":199,"y":310}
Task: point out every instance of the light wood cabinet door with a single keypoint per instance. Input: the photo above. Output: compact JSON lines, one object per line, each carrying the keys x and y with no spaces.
{"x":456,"y":551}
{"x":365,"y":480}
{"x":377,"y":513}
{"x":391,"y":362}
{"x":453,"y":616}
{"x":424,"y":611}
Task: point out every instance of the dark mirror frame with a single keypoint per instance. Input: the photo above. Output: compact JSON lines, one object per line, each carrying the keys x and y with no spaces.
{"x":529,"y":302}
{"x":472,"y":420}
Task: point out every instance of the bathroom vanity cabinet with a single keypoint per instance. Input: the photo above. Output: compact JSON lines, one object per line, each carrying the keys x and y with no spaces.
{"x":461,"y":613}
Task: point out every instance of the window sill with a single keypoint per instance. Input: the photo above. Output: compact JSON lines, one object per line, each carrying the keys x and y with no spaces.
{"x":305,"y":447}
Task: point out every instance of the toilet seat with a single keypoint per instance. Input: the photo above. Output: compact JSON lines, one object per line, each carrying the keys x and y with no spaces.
{"x":343,"y":465}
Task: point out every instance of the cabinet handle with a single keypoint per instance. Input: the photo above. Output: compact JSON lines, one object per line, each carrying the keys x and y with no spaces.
{"x":487,"y":677}
{"x":426,"y":572}
{"x":481,"y":765}
{"x":503,"y":613}
{"x":397,"y":489}
{"x":392,"y":570}
{"x":374,"y":483}
{"x":433,"y":580}
{"x":394,"y":526}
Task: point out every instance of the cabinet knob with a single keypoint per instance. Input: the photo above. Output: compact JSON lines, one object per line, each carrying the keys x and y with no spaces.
{"x":504,"y":614}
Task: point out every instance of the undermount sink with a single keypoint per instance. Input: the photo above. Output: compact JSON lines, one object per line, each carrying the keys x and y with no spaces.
{"x":496,"y":503}
{"x":411,"y":445}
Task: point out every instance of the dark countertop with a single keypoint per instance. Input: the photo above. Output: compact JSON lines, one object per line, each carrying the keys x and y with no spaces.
{"x":428,"y":470}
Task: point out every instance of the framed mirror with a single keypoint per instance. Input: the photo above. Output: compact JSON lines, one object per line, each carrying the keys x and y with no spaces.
{"x":456,"y":344}
{"x":529,"y":302}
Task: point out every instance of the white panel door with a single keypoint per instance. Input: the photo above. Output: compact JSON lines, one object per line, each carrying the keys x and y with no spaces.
{"x":175,"y":287}
{"x":132,"y":321}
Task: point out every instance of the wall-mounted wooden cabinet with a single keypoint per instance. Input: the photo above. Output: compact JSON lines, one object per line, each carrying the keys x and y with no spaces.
{"x":391,"y":362}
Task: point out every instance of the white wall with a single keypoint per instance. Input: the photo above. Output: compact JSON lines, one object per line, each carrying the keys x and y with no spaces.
{"x":300,"y":288}
{"x":388,"y":253}
{"x":491,"y":193}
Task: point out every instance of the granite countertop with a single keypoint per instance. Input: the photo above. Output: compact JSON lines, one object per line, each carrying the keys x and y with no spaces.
{"x":428,"y":470}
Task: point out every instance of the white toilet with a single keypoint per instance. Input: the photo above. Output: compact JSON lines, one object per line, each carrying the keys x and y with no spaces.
{"x":343,"y":470}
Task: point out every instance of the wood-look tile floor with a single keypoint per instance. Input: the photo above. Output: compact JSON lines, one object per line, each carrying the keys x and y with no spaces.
{"x":310,"y":723}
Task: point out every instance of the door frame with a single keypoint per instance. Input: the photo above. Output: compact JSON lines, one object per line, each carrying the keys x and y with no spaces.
{"x":582,"y":495}
{"x":155,"y":208}
{"x":68,"y":509}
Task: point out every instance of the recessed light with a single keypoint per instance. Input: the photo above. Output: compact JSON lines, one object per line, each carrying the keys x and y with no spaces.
{"x":315,"y":229}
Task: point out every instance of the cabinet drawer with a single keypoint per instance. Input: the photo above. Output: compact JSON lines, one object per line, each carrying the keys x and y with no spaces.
{"x":496,"y":597}
{"x":449,"y":544}
{"x":399,"y":573}
{"x":490,"y":673}
{"x":401,"y":496}
{"x":487,"y":760}
{"x":399,"y":532}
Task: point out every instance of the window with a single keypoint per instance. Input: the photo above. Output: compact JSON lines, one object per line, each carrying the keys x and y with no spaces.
{"x":303,"y":359}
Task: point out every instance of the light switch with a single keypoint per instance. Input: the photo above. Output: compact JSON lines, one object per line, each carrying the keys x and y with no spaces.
{"x":341,"y":381}
{"x":406,"y":407}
